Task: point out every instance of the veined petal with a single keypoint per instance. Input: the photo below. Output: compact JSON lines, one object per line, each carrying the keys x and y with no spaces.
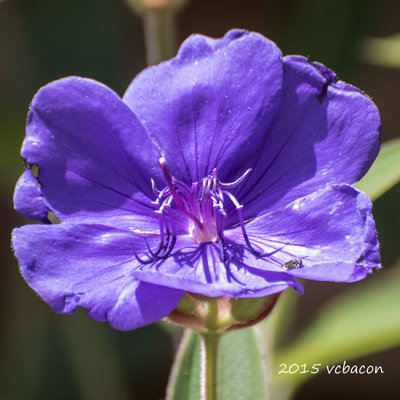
{"x":94,"y":156}
{"x":210,"y":106}
{"x":325,"y":131}
{"x":331,"y":231}
{"x":90,"y":266}
{"x":199,"y":269}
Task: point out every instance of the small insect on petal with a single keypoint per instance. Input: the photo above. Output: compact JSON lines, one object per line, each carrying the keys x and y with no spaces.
{"x":292,"y":264}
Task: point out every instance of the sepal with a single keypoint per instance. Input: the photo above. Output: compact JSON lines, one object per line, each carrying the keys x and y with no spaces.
{"x":221,"y":314}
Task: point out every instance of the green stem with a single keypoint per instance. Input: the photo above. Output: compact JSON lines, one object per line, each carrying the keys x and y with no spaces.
{"x":209,"y":365}
{"x":160,"y":35}
{"x":209,"y":352}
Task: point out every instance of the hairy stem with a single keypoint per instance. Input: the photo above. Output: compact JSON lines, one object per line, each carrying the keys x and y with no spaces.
{"x":209,"y":365}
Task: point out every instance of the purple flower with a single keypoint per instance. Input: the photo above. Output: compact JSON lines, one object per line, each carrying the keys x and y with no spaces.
{"x":225,"y":171}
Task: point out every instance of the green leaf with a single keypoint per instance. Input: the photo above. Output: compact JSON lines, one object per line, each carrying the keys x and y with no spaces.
{"x":241,"y":367}
{"x":184,"y":381}
{"x":360,"y":322}
{"x":384,"y":173}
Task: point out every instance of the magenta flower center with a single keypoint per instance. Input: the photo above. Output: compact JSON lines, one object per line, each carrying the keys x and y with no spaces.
{"x":202,"y":203}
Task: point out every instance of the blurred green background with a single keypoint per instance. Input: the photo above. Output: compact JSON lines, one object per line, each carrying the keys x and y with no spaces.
{"x":48,"y":356}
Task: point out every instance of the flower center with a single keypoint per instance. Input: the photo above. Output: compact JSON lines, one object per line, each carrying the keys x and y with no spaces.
{"x":202,"y":202}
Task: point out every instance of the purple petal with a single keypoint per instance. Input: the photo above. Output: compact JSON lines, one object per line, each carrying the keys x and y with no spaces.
{"x":325,"y":132}
{"x":331,"y":231}
{"x":211,"y":105}
{"x":199,"y":269}
{"x":90,"y":266}
{"x":28,"y":198}
{"x":94,"y":157}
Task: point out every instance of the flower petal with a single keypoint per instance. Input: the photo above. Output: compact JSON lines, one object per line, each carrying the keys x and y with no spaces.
{"x":28,"y":198}
{"x":210,"y":106}
{"x":331,"y":231}
{"x":325,"y":132}
{"x":94,"y":157}
{"x":90,"y":266}
{"x":199,"y":269}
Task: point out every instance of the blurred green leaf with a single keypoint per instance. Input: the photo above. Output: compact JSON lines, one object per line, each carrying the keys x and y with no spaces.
{"x":384,"y":173}
{"x":241,"y":367}
{"x":363,"y":321}
{"x":185,"y":375}
{"x":275,"y":329}
{"x":384,"y":52}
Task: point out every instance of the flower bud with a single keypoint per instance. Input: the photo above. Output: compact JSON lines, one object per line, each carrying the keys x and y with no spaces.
{"x":221,"y":314}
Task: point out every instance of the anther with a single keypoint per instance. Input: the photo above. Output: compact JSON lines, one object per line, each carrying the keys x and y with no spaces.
{"x":222,"y":249}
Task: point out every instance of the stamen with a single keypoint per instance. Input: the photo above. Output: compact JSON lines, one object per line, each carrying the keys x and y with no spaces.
{"x":239,"y":208}
{"x":203,"y":204}
{"x":169,"y":248}
{"x":175,"y":195}
{"x":141,"y":261}
{"x":163,"y":251}
{"x":161,"y":246}
{"x":153,"y":186}
{"x":233,"y":184}
{"x":208,"y":186}
{"x":166,"y":203}
{"x":162,"y":193}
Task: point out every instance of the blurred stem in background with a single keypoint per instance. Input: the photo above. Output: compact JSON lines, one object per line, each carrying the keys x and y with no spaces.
{"x":160,"y":34}
{"x":159,"y":23}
